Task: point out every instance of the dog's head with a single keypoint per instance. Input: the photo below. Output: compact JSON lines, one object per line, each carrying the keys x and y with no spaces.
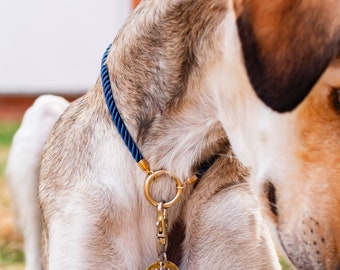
{"x":291,"y":53}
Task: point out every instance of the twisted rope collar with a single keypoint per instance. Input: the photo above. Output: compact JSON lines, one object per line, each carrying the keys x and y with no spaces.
{"x":115,"y":115}
{"x":122,"y":129}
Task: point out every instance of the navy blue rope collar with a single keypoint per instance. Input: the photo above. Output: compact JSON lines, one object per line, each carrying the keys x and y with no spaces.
{"x":122,"y":129}
{"x":116,"y":118}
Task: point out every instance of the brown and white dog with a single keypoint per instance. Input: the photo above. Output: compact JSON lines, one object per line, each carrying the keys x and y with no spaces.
{"x":180,"y":71}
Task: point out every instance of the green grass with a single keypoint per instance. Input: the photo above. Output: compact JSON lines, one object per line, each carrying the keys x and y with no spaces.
{"x":285,"y":265}
{"x":11,"y":254}
{"x":7,"y":131}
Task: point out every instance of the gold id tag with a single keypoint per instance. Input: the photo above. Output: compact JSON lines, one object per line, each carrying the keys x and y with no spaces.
{"x":163,"y":265}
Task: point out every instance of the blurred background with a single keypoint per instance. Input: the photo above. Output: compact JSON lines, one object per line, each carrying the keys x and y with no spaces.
{"x":47,"y":47}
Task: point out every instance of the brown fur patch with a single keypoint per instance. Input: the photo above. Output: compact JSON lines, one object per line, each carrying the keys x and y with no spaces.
{"x":318,"y":148}
{"x":320,"y":127}
{"x":287,"y":45}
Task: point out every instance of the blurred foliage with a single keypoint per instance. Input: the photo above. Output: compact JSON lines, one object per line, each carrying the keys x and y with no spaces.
{"x":7,"y":130}
{"x":285,"y":265}
{"x":11,"y":254}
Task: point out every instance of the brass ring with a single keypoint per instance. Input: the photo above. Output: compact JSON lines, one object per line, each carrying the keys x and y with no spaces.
{"x":152,"y":177}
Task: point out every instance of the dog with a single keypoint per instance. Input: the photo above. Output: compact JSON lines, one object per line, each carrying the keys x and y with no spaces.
{"x":22,"y":171}
{"x":185,"y":74}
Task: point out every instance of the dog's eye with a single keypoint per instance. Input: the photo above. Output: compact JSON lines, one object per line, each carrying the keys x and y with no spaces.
{"x":336,"y":98}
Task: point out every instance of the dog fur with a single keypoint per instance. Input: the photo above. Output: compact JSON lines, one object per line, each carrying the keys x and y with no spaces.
{"x":224,"y":225}
{"x":180,"y":70}
{"x":22,"y":171}
{"x":108,"y":223}
{"x":299,"y":187}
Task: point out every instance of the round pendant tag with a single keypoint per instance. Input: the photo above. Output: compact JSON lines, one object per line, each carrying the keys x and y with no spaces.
{"x":163,"y":266}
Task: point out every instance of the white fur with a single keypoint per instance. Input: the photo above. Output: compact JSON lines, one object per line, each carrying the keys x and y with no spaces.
{"x":22,"y":171}
{"x":228,"y":213}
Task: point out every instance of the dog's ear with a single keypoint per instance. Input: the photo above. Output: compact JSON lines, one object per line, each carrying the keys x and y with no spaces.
{"x":287,"y":44}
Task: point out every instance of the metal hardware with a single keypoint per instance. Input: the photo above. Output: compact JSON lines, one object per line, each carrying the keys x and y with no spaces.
{"x":159,"y":265}
{"x":162,"y":241}
{"x":144,"y":165}
{"x":152,"y":177}
{"x":162,"y":229}
{"x":162,"y":213}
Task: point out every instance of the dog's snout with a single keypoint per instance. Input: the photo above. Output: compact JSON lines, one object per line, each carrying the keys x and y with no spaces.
{"x":270,"y":192}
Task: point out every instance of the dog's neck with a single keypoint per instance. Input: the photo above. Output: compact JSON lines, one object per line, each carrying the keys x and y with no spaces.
{"x":161,"y":96}
{"x":177,"y":140}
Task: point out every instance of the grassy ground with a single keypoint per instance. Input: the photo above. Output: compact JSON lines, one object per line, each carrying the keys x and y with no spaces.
{"x":11,"y":255}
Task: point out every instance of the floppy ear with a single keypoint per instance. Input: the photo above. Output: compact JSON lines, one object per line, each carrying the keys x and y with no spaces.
{"x":287,"y":44}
